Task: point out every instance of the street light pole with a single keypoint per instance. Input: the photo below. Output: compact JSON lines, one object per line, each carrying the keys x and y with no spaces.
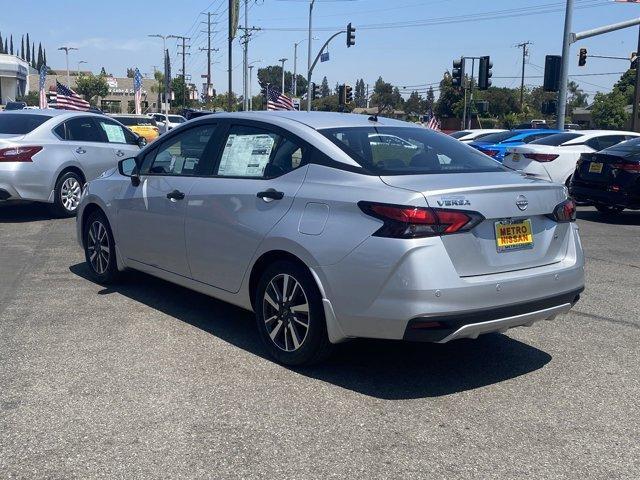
{"x":309,"y":57}
{"x":250,"y":67}
{"x":66,"y":52}
{"x":282,"y":60}
{"x":564,"y":70}
{"x":164,"y":52}
{"x":79,"y":63}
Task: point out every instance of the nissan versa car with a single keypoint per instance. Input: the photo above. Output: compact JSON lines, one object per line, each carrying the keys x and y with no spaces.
{"x":327,"y":234}
{"x":47,"y":155}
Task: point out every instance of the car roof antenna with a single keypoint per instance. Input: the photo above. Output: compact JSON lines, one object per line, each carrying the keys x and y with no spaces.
{"x":374,"y":117}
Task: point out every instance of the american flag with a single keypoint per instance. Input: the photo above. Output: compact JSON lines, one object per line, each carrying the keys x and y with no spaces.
{"x":67,"y":99}
{"x":137,"y":88}
{"x":43,"y":80}
{"x":277,"y":100}
{"x":431,"y":121}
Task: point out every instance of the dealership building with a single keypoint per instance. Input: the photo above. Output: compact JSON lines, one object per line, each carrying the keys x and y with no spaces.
{"x":14,"y":78}
{"x":120,"y":98}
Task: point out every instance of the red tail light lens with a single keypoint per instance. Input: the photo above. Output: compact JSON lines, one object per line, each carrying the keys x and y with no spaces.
{"x":627,"y":167}
{"x":564,"y":212}
{"x":541,"y":157}
{"x":417,"y":222}
{"x":18,"y":154}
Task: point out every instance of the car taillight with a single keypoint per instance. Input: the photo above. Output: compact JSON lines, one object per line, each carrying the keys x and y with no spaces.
{"x":18,"y":154}
{"x":491,"y":153}
{"x":541,"y":157}
{"x":627,"y":167}
{"x":564,"y":212}
{"x":416,"y":222}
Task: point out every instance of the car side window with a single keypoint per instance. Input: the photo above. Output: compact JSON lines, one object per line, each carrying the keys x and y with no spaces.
{"x":256,"y":153}
{"x":83,"y":130}
{"x":182,"y":154}
{"x":116,"y":133}
{"x":61,"y":131}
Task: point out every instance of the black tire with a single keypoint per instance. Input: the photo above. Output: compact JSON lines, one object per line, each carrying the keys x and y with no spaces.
{"x":313,"y":342}
{"x":66,"y":199}
{"x":609,"y":210}
{"x":100,"y":261}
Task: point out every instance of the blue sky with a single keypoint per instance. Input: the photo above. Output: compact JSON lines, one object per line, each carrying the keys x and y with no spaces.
{"x":114,"y":35}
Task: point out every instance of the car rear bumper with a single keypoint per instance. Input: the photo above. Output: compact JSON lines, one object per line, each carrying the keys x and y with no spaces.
{"x":472,"y":324}
{"x":379,"y":290}
{"x":24,"y":181}
{"x":602,"y":196}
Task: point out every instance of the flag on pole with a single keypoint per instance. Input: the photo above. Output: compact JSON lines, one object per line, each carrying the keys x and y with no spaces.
{"x":137,"y":89}
{"x":67,"y":99}
{"x":43,"y":80}
{"x":431,"y":121}
{"x":277,"y":100}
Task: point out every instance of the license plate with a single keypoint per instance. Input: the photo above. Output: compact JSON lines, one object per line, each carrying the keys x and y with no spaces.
{"x":513,"y":235}
{"x":515,"y":157}
{"x":595,"y":167}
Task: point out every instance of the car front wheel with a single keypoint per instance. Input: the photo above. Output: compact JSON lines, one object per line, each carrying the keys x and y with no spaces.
{"x":290,"y":315}
{"x":99,"y":249}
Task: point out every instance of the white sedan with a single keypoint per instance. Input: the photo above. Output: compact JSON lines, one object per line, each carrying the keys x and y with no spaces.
{"x":554,"y":157}
{"x":472,"y":135}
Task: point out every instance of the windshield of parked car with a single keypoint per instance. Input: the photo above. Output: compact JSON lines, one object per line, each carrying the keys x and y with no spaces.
{"x":176,"y":119}
{"x":416,"y":151}
{"x":460,"y":134}
{"x":498,"y":137}
{"x":136,"y":121}
{"x":20,"y":124}
{"x":557,"y":139}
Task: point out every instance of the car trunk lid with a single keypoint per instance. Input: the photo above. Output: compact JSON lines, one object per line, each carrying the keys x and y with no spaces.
{"x":506,"y":200}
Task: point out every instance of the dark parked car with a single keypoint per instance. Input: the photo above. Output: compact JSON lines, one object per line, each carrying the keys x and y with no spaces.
{"x":610,"y":178}
{"x":15,"y":105}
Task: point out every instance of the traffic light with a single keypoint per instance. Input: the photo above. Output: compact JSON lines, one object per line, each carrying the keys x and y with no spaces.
{"x":549,"y":107}
{"x":634,"y":60}
{"x":351,"y":36}
{"x":582,"y":59}
{"x":315,"y":91}
{"x":348,"y":94}
{"x":342,"y":94}
{"x":482,"y":106}
{"x":457,"y":74}
{"x":484,"y":74}
{"x":552,"y":64}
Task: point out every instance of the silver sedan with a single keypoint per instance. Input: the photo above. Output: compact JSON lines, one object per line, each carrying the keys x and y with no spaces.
{"x":327,"y":234}
{"x":48,"y":155}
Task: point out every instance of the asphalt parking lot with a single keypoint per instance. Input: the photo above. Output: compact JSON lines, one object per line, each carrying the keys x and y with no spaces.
{"x":149,"y":380}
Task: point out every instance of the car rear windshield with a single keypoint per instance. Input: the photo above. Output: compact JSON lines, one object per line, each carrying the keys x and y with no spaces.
{"x":133,"y":121}
{"x":557,"y":139}
{"x":409,"y":151}
{"x":20,"y":124}
{"x":630,"y":146}
{"x":460,"y":134}
{"x":498,"y":137}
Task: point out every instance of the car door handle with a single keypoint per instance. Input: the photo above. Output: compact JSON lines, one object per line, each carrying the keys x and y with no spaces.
{"x":80,"y":150}
{"x":175,"y":195}
{"x":120,"y":153}
{"x":270,"y":194}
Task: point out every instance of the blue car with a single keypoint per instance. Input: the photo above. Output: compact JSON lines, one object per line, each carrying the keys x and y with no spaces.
{"x":496,"y":144}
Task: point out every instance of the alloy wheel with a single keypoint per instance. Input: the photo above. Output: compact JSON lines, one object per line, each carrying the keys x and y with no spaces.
{"x":98,"y":247}
{"x":286,"y":312}
{"x":70,"y":194}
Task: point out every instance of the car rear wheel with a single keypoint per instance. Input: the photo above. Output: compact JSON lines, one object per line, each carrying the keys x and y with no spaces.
{"x":608,"y":210}
{"x":99,"y":249}
{"x":66,"y":195}
{"x":290,"y":315}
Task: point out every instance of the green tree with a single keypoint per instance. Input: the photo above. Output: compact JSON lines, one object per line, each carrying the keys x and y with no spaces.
{"x":11,"y":45}
{"x":325,"y":91}
{"x":430,"y":101}
{"x":414,"y":104}
{"x":451,"y":101}
{"x":608,"y":110}
{"x":383,"y":97}
{"x":28,"y":58}
{"x":91,"y":86}
{"x":576,"y":98}
{"x":22,"y":48}
{"x":272,"y":75}
{"x":502,"y":100}
{"x":181,"y":90}
{"x":360,"y":94}
{"x":32,"y":98}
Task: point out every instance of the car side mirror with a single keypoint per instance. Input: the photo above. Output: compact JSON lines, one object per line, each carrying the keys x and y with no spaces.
{"x":142,"y":142}
{"x":129,"y":168}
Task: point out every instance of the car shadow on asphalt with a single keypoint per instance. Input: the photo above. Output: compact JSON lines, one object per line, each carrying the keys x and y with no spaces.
{"x":22,"y":212}
{"x":389,"y":370}
{"x":628,"y":217}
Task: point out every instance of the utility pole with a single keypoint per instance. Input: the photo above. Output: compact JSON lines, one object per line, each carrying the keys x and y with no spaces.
{"x":294,"y":80}
{"x":635,"y":122}
{"x":166,"y":80}
{"x":245,"y":62}
{"x":564,"y":69}
{"x":282,"y":60}
{"x":184,"y":53}
{"x":367,"y":95}
{"x":309,"y":56}
{"x":208,"y":49}
{"x":66,"y":52}
{"x":525,"y":51}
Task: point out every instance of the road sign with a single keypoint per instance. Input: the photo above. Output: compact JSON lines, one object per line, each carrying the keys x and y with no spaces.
{"x":324,"y":57}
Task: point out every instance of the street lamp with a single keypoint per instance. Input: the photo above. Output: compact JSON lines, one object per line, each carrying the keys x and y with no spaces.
{"x":80,"y":63}
{"x":309,"y":57}
{"x":294,"y":80}
{"x":66,"y":51}
{"x":164,"y":50}
{"x":282,"y":60}
{"x":250,"y":67}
